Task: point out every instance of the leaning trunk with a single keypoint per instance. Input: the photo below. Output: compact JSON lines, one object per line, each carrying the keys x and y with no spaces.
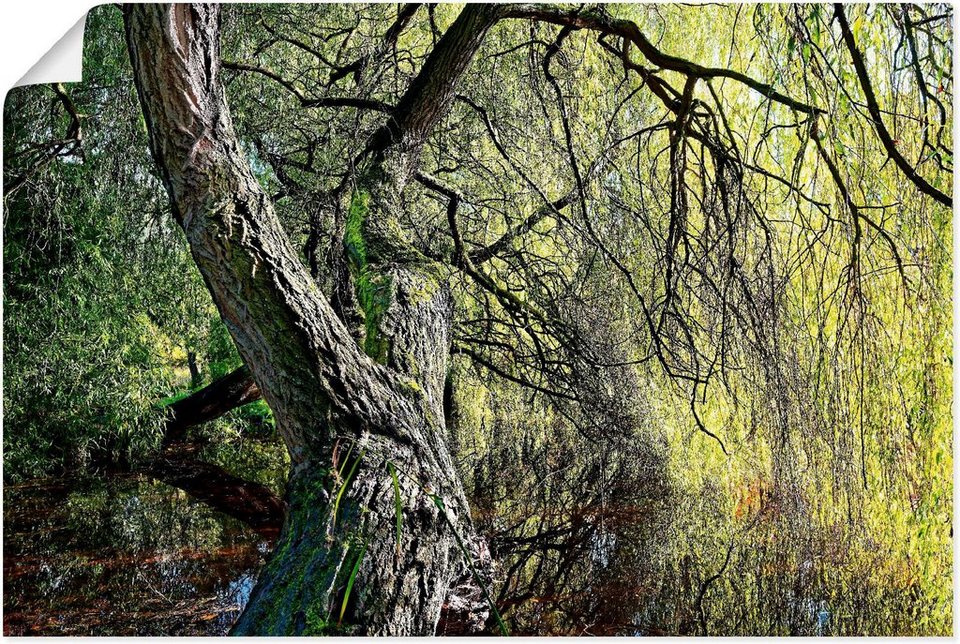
{"x":376,"y":530}
{"x":376,"y":513}
{"x":213,"y":401}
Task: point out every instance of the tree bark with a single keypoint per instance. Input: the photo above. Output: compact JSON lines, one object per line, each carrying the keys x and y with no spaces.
{"x":194,"y":369}
{"x":375,"y":507}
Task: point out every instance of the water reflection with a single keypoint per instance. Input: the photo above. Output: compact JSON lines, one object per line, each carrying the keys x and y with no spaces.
{"x":603,"y":545}
{"x":604,"y":539}
{"x":682,"y":573}
{"x":125,"y":555}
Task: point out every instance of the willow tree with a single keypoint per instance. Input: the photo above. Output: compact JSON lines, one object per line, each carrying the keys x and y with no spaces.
{"x":683,"y":236}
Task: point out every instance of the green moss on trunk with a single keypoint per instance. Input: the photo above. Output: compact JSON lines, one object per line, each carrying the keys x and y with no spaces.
{"x":311,"y":565}
{"x":374,"y":290}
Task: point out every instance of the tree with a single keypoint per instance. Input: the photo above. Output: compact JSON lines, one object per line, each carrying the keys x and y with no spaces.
{"x":378,"y":521}
{"x":325,"y":392}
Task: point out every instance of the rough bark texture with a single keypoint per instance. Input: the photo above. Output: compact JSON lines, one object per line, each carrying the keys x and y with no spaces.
{"x":349,"y":420}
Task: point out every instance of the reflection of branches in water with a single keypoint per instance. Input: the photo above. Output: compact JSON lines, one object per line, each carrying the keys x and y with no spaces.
{"x":152,"y":588}
{"x":777,"y":576}
{"x":706,"y":586}
{"x":119,"y":554}
{"x":573,"y":538}
{"x":253,"y":503}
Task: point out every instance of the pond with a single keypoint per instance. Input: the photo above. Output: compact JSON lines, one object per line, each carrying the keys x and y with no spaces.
{"x":126,"y":554}
{"x":122,"y":555}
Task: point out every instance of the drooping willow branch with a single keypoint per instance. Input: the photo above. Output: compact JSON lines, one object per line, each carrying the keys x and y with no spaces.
{"x":69,"y":144}
{"x":597,"y":19}
{"x":882,"y":133}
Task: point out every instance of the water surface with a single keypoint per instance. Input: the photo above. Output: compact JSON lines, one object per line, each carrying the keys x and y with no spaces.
{"x":122,"y":555}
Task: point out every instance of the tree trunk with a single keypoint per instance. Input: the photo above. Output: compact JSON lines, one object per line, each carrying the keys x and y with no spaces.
{"x":375,"y":507}
{"x":233,"y":390}
{"x":194,"y":370}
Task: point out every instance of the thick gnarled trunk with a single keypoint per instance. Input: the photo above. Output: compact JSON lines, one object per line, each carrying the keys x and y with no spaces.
{"x":347,"y":562}
{"x":375,"y":507}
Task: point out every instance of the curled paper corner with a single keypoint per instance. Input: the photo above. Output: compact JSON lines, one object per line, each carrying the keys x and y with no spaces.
{"x":63,"y":63}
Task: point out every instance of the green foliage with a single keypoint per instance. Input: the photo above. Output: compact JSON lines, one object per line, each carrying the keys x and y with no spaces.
{"x":345,"y":484}
{"x":91,"y":302}
{"x":102,"y":300}
{"x":221,"y":353}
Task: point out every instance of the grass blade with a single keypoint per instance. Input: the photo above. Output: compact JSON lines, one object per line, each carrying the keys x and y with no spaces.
{"x":346,"y":483}
{"x":353,"y":576}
